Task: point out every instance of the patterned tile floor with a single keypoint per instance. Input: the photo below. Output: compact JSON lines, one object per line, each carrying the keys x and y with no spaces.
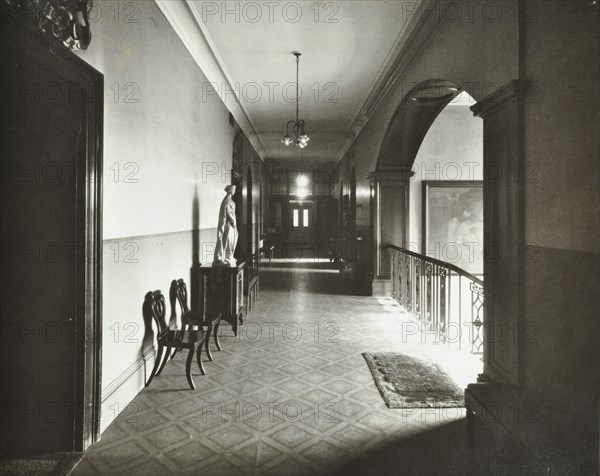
{"x":292,"y":394}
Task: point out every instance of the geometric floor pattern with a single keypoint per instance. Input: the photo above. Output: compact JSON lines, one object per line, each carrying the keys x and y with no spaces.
{"x":293,"y":395}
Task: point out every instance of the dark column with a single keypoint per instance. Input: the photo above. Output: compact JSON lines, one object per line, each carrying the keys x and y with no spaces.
{"x":389,"y":209}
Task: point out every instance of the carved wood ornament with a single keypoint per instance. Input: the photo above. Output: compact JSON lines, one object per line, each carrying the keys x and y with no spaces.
{"x":237,"y":157}
{"x":65,"y":20}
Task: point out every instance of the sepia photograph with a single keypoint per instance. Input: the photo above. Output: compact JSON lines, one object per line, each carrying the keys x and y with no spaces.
{"x":300,"y":237}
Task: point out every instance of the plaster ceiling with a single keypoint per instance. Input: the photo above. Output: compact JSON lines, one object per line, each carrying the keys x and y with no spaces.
{"x":346,"y":46}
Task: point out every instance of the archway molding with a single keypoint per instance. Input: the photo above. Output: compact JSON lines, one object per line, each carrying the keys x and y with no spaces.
{"x":417,"y":110}
{"x":407,"y":128}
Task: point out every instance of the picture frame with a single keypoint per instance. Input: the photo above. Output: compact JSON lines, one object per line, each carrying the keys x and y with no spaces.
{"x":452,"y":223}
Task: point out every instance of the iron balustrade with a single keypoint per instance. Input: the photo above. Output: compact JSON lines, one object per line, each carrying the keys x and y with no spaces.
{"x":447,"y":300}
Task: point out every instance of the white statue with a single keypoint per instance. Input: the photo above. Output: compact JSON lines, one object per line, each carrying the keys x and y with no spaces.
{"x":227,"y":234}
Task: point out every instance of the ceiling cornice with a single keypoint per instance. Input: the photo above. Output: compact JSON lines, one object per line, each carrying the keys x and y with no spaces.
{"x":184,"y":19}
{"x":410,"y":40}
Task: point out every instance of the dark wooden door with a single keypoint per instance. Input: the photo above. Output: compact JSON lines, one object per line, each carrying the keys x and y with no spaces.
{"x":51,"y":247}
{"x":327,"y":227}
{"x":302,"y":222}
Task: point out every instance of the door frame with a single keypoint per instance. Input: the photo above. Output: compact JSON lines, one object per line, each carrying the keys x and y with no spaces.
{"x":35,"y":44}
{"x":301,"y":204}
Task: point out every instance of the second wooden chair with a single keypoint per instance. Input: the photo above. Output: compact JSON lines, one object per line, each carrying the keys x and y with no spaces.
{"x":210,"y":321}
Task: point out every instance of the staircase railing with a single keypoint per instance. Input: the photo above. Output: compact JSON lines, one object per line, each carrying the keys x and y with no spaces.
{"x":447,"y":300}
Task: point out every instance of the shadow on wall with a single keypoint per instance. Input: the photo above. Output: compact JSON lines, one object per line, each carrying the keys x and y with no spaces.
{"x":195,"y":227}
{"x":148,"y":338}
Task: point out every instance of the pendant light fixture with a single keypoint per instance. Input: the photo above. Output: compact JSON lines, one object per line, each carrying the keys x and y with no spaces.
{"x":300,"y":137}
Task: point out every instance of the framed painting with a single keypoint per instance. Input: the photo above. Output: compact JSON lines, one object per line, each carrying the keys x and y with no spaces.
{"x":453,"y":223}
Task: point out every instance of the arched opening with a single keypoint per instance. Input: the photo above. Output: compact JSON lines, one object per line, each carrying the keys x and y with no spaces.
{"x":350,"y":232}
{"x":236,"y":179}
{"x":249,"y":249}
{"x":446,"y":191}
{"x":261,"y":210}
{"x":341,"y":210}
{"x":391,"y":178}
{"x":413,"y":118}
{"x":353,"y":197}
{"x":237,"y":199}
{"x":428,"y":216}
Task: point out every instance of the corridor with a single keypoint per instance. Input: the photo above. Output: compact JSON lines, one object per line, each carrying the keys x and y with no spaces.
{"x":414,"y":143}
{"x":292,"y":394}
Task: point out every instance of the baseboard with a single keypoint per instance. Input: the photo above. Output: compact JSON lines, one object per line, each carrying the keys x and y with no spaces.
{"x":122,"y":390}
{"x":381,"y":287}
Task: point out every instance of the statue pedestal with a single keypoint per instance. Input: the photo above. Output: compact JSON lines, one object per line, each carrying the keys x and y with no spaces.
{"x":218,"y":289}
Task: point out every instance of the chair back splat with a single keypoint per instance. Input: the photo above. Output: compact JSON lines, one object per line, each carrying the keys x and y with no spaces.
{"x":182,"y":296}
{"x":172,"y":303}
{"x":154,"y":305}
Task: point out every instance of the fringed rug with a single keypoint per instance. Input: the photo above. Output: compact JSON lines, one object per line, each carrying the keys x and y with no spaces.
{"x":409,"y":382}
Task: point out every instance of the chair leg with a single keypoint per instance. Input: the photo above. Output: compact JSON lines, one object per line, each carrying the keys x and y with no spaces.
{"x":199,"y":358}
{"x":207,"y":341}
{"x":188,"y":368}
{"x":162,"y":366}
{"x":216,"y":334}
{"x":156,"y":364}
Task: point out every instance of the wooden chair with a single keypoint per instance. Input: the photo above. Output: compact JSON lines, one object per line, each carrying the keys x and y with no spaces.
{"x":268,"y":251}
{"x":251,"y":282}
{"x":178,"y":291}
{"x":154,"y":307}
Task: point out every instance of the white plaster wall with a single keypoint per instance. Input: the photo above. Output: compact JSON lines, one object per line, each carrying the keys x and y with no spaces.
{"x":451,"y":150}
{"x":158,"y":130}
{"x":162,"y":140}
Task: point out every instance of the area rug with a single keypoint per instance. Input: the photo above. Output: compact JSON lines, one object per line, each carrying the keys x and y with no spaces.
{"x":408,"y":382}
{"x":53,"y":464}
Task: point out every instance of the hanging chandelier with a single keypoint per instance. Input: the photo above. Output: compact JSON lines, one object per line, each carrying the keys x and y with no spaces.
{"x":300,"y":137}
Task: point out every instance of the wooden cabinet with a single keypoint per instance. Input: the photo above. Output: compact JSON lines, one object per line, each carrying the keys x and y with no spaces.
{"x":218,"y":289}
